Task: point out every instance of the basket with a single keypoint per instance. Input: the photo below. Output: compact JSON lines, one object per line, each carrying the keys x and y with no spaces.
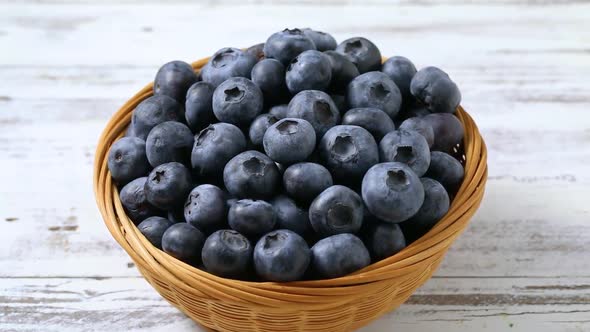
{"x":340,"y":304}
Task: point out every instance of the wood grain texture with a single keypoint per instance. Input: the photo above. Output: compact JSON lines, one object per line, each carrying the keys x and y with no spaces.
{"x":523,"y":69}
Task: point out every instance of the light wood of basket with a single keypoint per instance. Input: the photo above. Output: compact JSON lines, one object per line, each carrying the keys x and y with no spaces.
{"x":340,"y":304}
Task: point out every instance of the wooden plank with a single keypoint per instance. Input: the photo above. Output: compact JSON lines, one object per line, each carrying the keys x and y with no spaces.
{"x":454,"y":304}
{"x":440,"y":35}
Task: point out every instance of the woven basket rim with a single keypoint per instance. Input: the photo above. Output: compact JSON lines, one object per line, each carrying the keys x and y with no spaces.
{"x":298,"y":294}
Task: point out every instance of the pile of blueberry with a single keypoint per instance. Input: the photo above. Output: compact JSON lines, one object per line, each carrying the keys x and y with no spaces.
{"x":299,"y":158}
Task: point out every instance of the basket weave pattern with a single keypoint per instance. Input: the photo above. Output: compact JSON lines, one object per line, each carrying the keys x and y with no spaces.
{"x":340,"y":304}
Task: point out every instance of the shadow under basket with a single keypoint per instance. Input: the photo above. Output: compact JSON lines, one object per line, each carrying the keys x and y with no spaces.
{"x":340,"y":304}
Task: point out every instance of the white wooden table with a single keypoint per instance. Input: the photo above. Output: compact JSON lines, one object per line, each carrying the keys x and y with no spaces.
{"x":524,"y":70}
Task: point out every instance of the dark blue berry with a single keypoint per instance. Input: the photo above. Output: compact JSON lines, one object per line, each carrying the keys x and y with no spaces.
{"x":392,"y":192}
{"x":259,"y":127}
{"x":287,"y":44}
{"x":269,"y":75}
{"x":169,"y":141}
{"x":173,"y":79}
{"x":279,"y":111}
{"x":153,"y":229}
{"x":199,"y":110}
{"x":435,"y":206}
{"x":127,"y":160}
{"x":448,"y":131}
{"x":289,"y":140}
{"x":401,"y":71}
{"x":339,"y":255}
{"x":281,"y":255}
{"x":257,"y":51}
{"x":153,"y":111}
{"x":336,"y":210}
{"x":348,"y":151}
{"x":251,"y":174}
{"x":290,"y":215}
{"x":365,"y":54}
{"x":421,"y":126}
{"x":205,"y":207}
{"x":310,"y":70}
{"x":214,"y":147}
{"x":237,"y":101}
{"x":227,"y":253}
{"x":384,"y":240}
{"x":226,"y":63}
{"x":446,"y":170}
{"x":377,"y":122}
{"x":251,"y":217}
{"x":408,"y":147}
{"x":317,"y":108}
{"x":305,"y":181}
{"x":184,"y":242}
{"x":343,"y":71}
{"x":323,"y":41}
{"x":135,"y":202}
{"x":168,"y":185}
{"x":434,"y":88}
{"x":377,"y":90}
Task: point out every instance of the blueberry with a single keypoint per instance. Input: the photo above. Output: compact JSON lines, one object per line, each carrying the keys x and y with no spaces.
{"x":364,"y":53}
{"x":290,"y":215}
{"x":251,"y":174}
{"x":343,"y":71}
{"x":205,"y":207}
{"x":317,"y":108}
{"x":135,"y":202}
{"x":448,"y":131}
{"x":168,"y":185}
{"x":169,"y":141}
{"x":310,"y":70}
{"x":287,"y":44}
{"x":279,"y":111}
{"x":153,"y":111}
{"x":435,"y":206}
{"x":392,"y":192}
{"x":130,"y":131}
{"x":251,"y":217}
{"x":305,"y":181}
{"x":153,"y":229}
{"x":184,"y":242}
{"x":225,"y":63}
{"x":176,"y":215}
{"x":336,"y":210}
{"x":401,"y":71}
{"x":281,"y":255}
{"x":127,"y":159}
{"x":339,"y":255}
{"x":340,"y":102}
{"x":348,"y":151}
{"x":434,"y":88}
{"x":173,"y":79}
{"x":289,"y":140}
{"x":384,"y":240}
{"x":412,"y":110}
{"x":408,"y":147}
{"x":259,"y":127}
{"x":257,"y":51}
{"x":227,"y":253}
{"x":269,"y":75}
{"x":214,"y":147}
{"x":446,"y":170}
{"x":237,"y":101}
{"x":421,"y":126}
{"x":375,"y":89}
{"x":377,"y":122}
{"x":323,"y":41}
{"x":199,"y":110}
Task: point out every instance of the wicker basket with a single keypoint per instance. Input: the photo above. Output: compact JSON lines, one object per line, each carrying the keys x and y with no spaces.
{"x":340,"y":304}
